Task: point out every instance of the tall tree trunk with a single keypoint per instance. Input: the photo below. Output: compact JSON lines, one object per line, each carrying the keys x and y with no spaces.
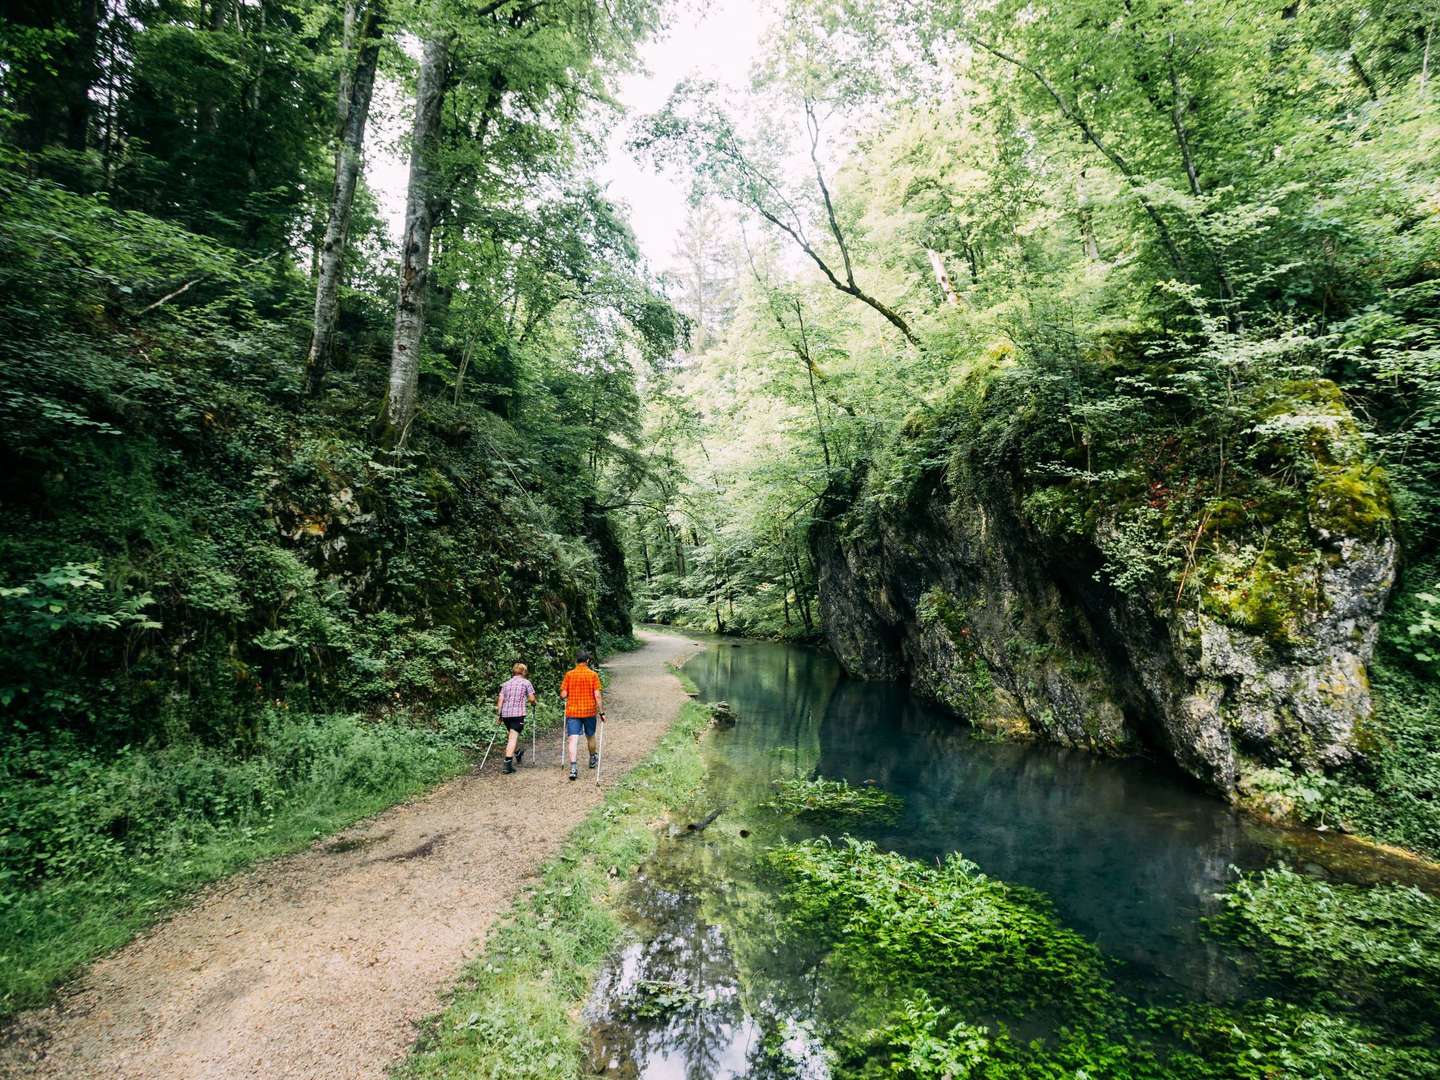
{"x":87,"y":74}
{"x":53,"y":92}
{"x":354,"y":114}
{"x":1425,"y":56}
{"x":415,"y":248}
{"x":347,"y":65}
{"x":942,"y":277}
{"x":213,"y":20}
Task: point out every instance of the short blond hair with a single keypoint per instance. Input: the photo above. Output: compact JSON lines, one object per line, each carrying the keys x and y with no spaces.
{"x":520,"y":669}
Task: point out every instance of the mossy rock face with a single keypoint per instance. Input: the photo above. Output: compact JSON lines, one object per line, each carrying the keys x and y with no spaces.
{"x":1271,"y":600}
{"x":1216,"y":604}
{"x":1351,"y":501}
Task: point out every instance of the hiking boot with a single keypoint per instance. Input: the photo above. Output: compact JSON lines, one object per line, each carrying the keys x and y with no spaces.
{"x":594,"y":760}
{"x":509,"y":765}
{"x":574,"y":771}
{"x":519,"y":756}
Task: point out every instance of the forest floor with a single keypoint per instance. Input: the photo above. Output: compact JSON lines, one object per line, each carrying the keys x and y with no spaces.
{"x":321,"y":963}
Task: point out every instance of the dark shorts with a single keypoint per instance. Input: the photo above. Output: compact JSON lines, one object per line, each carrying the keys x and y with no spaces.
{"x":514,"y":723}
{"x":577,"y":725}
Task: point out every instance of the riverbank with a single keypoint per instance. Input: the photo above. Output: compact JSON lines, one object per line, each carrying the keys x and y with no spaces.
{"x":320,"y":963}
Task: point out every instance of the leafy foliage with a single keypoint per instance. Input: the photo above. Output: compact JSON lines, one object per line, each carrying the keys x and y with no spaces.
{"x":834,"y":802}
{"x":948,"y":929}
{"x":1381,"y":943}
{"x":920,"y":961}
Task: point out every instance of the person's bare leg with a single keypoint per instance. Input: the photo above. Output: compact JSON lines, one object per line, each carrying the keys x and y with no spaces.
{"x":574,"y":747}
{"x":510,"y":743}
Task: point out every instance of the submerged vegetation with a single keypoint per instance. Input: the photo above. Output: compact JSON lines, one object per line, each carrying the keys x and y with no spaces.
{"x":835,"y":802}
{"x":895,"y":925}
{"x":930,"y":971}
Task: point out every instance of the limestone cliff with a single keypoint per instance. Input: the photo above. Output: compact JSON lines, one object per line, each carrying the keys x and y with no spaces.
{"x":1234,"y":634}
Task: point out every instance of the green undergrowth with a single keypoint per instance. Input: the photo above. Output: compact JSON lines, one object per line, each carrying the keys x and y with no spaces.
{"x":930,"y":971}
{"x":834,"y":801}
{"x":1393,"y":793}
{"x":515,"y":1013}
{"x":896,"y":924}
{"x":1357,"y":946}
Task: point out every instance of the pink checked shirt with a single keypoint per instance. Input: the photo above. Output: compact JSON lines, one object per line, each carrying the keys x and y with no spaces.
{"x":513,"y":696}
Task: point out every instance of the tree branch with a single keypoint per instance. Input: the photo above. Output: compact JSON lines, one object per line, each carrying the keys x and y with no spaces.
{"x":1112,"y":155}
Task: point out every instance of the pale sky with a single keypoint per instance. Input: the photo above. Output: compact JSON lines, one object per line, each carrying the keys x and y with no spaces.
{"x":715,"y":39}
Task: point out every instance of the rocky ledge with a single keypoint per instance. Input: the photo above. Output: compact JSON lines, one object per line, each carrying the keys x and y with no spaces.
{"x":1228,"y":630}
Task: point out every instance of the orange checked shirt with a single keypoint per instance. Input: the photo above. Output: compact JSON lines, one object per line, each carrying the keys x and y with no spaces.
{"x":579,"y":687}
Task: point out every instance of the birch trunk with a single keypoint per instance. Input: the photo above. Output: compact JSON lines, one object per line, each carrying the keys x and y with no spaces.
{"x":415,"y":248}
{"x":942,"y":277}
{"x":354,"y":114}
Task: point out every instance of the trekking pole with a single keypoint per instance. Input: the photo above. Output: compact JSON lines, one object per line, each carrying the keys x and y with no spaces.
{"x":600,"y":750}
{"x":487,"y":753}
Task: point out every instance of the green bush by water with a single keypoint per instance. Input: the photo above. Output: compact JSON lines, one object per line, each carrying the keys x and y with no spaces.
{"x":899,"y":924}
{"x":1354,"y":947}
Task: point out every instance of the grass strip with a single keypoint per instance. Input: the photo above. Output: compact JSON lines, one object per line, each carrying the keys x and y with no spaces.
{"x":516,"y":1010}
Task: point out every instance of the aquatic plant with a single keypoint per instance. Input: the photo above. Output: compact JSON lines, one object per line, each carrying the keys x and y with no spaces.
{"x":1350,"y":944}
{"x":894,"y":922}
{"x":655,"y":999}
{"x":823,"y":801}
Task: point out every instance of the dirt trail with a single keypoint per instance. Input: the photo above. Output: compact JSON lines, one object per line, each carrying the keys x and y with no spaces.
{"x":319,"y":964}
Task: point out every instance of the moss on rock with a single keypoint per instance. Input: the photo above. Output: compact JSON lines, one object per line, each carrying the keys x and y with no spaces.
{"x":1351,"y":501}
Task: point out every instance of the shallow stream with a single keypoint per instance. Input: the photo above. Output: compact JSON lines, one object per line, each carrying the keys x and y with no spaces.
{"x":1131,"y":855}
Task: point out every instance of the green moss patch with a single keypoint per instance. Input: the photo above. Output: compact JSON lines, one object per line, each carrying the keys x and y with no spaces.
{"x":1351,"y":501}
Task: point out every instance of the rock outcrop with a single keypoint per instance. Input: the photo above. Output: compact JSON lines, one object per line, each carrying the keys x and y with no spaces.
{"x":1255,"y":658}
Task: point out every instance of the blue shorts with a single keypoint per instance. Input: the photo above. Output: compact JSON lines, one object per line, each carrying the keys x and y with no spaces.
{"x":576,"y":725}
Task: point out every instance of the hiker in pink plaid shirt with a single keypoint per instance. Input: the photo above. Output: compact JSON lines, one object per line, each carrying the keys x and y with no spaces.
{"x":515,"y":694}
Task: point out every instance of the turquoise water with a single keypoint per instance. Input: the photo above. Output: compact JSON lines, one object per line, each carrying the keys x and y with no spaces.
{"x":1130,"y":853}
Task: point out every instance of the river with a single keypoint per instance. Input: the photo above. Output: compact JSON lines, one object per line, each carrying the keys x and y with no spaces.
{"x":1130,"y":853}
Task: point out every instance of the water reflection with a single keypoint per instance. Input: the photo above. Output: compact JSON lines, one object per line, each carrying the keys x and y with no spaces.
{"x":671,"y":1006}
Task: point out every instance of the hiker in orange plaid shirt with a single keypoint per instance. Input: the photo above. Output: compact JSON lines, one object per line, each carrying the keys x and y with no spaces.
{"x":583,"y":709}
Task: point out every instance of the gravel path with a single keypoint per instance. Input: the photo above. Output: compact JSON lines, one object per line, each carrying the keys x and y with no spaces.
{"x":319,"y":964}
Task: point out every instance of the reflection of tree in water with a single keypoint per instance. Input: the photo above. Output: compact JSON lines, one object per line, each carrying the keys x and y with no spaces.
{"x":702,"y":1030}
{"x":779,"y":696}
